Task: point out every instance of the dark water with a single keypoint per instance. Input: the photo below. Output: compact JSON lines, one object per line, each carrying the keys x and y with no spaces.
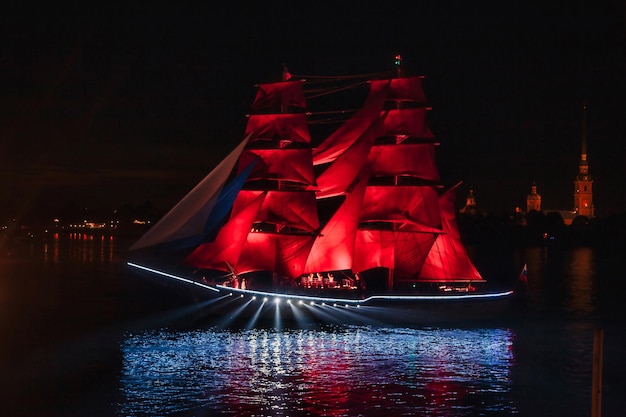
{"x":83,"y":337}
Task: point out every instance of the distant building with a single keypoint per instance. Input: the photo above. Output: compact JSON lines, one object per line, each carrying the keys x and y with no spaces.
{"x":583,"y":188}
{"x":533,"y":201}
{"x":470,"y":203}
{"x":583,"y":191}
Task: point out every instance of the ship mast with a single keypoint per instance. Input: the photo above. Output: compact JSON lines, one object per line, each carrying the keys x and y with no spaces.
{"x":399,"y":74}
{"x":399,"y":66}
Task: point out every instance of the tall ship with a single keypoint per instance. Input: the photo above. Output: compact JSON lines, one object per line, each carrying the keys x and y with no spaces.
{"x":325,"y":214}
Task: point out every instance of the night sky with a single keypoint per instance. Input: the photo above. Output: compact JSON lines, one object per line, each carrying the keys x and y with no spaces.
{"x":109,"y":104}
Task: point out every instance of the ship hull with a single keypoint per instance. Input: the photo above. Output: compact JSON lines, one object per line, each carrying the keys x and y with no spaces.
{"x":225,"y":305}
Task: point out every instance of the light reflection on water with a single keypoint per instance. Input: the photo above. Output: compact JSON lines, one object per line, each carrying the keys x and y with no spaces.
{"x":563,"y":282}
{"x":582,"y":293}
{"x":334,"y":372}
{"x":68,"y":320}
{"x":79,"y":247}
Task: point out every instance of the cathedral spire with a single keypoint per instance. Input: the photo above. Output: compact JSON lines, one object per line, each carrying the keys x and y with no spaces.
{"x":583,"y":167}
{"x":583,"y":192}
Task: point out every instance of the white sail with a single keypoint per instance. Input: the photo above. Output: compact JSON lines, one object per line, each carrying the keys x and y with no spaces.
{"x":188,"y":217}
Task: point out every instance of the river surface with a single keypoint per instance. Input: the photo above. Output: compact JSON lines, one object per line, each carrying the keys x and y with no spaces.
{"x":81,"y":336}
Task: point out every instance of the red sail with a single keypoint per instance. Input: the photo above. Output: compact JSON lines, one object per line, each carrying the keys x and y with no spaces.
{"x":410,"y":253}
{"x":402,"y":252}
{"x":407,"y":122}
{"x":412,"y":159}
{"x":227,"y":246}
{"x":283,"y":254}
{"x":284,"y":227}
{"x":247,"y":250}
{"x":292,"y":209}
{"x":343,"y":172}
{"x":274,"y":97}
{"x":405,"y":89}
{"x":286,"y":127}
{"x":333,"y":249}
{"x":401,"y":204}
{"x":448,"y":260}
{"x":281,"y":164}
{"x":340,"y":140}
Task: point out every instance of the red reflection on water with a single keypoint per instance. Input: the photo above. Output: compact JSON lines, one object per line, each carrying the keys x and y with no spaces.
{"x":581,"y":283}
{"x":83,"y":247}
{"x":327,"y":393}
{"x":372,"y":372}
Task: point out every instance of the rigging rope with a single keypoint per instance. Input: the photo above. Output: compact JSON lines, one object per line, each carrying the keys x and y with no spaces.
{"x":343,"y":77}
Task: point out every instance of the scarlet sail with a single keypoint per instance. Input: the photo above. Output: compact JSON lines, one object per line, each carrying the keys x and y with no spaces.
{"x":447,"y":257}
{"x":363,"y":200}
{"x":274,"y":218}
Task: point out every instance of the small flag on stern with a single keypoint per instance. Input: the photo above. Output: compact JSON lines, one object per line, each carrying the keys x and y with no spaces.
{"x":523,"y":276}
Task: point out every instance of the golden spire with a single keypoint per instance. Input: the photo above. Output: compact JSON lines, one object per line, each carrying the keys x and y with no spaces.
{"x":583,"y":167}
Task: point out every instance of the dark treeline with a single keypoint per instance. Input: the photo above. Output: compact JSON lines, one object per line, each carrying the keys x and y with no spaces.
{"x":536,"y":228}
{"x":37,"y":217}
